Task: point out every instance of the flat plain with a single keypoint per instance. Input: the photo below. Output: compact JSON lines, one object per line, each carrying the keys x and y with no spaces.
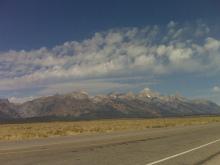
{"x":182,"y":145}
{"x":24,"y":131}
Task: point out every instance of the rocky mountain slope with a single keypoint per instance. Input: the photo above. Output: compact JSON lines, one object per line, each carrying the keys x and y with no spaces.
{"x":79,"y":105}
{"x":7,"y":110}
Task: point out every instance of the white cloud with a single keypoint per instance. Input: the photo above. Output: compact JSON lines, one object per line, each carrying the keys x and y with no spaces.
{"x":216,"y":89}
{"x":212,"y":44}
{"x":178,"y":55}
{"x":150,"y":50}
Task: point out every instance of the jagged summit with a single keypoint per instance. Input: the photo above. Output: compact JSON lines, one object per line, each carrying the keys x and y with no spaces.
{"x":146,"y":92}
{"x":79,"y":105}
{"x":5,"y":101}
{"x":113,"y":95}
{"x":128,"y":95}
{"x":81,"y":94}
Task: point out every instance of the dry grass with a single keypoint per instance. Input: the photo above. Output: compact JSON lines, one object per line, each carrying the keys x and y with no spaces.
{"x":50,"y":129}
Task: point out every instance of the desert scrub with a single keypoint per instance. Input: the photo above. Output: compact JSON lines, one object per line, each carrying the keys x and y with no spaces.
{"x":50,"y":129}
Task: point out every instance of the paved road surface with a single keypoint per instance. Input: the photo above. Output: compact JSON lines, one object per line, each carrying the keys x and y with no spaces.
{"x":165,"y":146}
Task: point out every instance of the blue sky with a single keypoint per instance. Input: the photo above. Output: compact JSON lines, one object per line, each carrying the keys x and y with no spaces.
{"x":49,"y":47}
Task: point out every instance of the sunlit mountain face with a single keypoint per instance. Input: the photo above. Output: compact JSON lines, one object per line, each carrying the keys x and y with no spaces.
{"x":49,"y":49}
{"x":80,"y":105}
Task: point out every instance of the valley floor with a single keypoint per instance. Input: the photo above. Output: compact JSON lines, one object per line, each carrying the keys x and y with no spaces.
{"x":13,"y":132}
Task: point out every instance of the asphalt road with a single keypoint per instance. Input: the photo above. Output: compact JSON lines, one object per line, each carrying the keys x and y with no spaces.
{"x":166,"y":146}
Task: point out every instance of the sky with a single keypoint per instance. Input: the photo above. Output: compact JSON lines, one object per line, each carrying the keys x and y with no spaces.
{"x":54,"y":46}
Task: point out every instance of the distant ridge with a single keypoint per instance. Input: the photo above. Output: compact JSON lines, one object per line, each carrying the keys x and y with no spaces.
{"x":79,"y":105}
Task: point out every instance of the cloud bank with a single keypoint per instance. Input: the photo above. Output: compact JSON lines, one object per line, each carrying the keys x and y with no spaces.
{"x":125,"y":52}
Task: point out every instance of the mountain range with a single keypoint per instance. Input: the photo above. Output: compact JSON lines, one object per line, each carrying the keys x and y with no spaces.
{"x":79,"y":105}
